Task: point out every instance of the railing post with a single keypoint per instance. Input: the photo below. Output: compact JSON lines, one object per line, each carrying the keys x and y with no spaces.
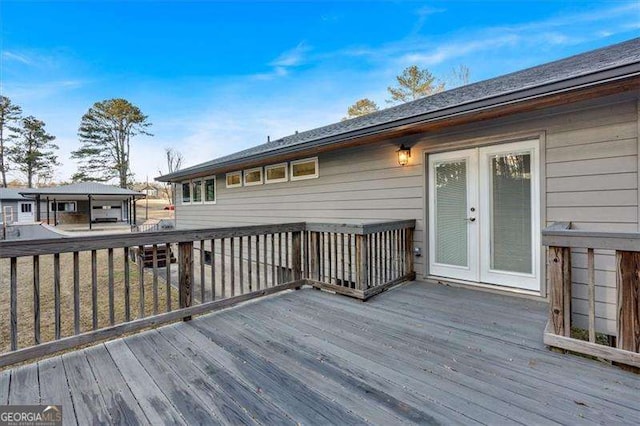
{"x":362,"y":262}
{"x":314,"y":256}
{"x":559,"y":270}
{"x":296,"y":255}
{"x":185,"y":275}
{"x":408,"y":253}
{"x":628,"y":312}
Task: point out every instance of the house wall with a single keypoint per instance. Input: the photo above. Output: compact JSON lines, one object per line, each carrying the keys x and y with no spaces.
{"x":81,"y":215}
{"x":11,"y":204}
{"x":589,"y":164}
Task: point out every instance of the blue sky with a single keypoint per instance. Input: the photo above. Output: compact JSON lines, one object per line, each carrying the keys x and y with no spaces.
{"x":217,"y":77}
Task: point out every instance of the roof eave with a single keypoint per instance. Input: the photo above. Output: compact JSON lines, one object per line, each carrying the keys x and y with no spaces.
{"x":575,"y":83}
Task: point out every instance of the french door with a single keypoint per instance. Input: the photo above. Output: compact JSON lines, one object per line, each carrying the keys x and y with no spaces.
{"x":484,"y":220}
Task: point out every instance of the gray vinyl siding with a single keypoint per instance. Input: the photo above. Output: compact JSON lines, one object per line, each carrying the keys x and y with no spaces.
{"x":590,"y":169}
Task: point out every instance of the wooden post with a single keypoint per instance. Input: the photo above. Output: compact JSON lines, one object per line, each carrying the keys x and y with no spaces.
{"x":628,"y":283}
{"x":314,"y":257}
{"x":296,"y":255}
{"x":408,"y":253}
{"x":559,"y":270}
{"x":362,"y":262}
{"x":38,"y":209}
{"x":90,"y":211}
{"x":185,"y":275}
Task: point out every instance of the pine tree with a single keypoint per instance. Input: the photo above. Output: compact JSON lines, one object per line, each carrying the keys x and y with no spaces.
{"x":33,"y":151}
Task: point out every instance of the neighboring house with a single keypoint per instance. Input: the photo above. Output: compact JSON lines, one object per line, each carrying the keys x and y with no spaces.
{"x":485,"y":167}
{"x":15,"y":206}
{"x":86,"y":202}
{"x":150,"y":191}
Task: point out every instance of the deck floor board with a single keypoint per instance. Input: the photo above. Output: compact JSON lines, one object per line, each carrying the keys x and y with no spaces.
{"x":420,"y":354}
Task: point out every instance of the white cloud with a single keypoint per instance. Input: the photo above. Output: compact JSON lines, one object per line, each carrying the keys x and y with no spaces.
{"x":292,"y":57}
{"x":16,"y":57}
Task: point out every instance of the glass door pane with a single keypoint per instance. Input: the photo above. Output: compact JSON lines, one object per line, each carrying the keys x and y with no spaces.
{"x":511,"y":214}
{"x":451,"y":236}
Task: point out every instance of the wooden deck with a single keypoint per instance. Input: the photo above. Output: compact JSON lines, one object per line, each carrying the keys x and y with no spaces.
{"x":422,"y":353}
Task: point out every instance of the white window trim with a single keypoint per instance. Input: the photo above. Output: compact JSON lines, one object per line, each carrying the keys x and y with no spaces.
{"x":226,"y":181}
{"x":182,"y":201}
{"x":273,"y":166}
{"x":305,"y":160}
{"x":204,"y":190}
{"x":193,"y":190}
{"x":255,"y":169}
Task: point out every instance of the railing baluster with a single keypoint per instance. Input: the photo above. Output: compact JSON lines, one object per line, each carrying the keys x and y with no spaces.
{"x":286,"y":258}
{"x":329,"y":259}
{"x":273,"y":259}
{"x":223,"y":262}
{"x":14,"y":302}
{"x":154,"y":253}
{"x":249,"y":268}
{"x":110,"y":286}
{"x":345,"y":283}
{"x":258,"y":261}
{"x":141,"y":254}
{"x":241,"y":264}
{"x":335,"y":256}
{"x":36,"y":299}
{"x":351,"y":280}
{"x":56,"y":295}
{"x":592,"y":294}
{"x":202,"y":279}
{"x":266,"y":261}
{"x":76,"y":292}
{"x":127,"y":290}
{"x":232,"y":249}
{"x":398,"y":251}
{"x":94,"y":288}
{"x":280,"y":268}
{"x":167,"y":266}
{"x":213,"y":269}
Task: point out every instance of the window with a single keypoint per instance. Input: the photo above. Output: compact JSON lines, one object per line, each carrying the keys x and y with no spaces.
{"x":234,"y":179}
{"x":304,"y":169}
{"x":186,"y":192}
{"x":25,"y":208}
{"x":197,"y":191}
{"x":276,"y":173}
{"x":253,"y":176}
{"x":210,"y":189}
{"x":68,"y":206}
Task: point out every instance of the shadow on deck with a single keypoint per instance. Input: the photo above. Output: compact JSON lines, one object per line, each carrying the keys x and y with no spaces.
{"x":422,"y":353}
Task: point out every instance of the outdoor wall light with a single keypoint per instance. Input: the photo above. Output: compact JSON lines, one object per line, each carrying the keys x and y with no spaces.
{"x":404,"y":154}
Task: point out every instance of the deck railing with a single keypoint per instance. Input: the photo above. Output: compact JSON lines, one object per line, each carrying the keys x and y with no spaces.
{"x":561,"y":240}
{"x":62,"y":293}
{"x":359,"y":260}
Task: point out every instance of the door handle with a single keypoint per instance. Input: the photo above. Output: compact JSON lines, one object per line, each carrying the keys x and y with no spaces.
{"x":471,"y":219}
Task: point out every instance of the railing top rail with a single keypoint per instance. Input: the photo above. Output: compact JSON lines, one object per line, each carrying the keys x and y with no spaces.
{"x":361,"y":229}
{"x":560,"y":234}
{"x":17,"y":248}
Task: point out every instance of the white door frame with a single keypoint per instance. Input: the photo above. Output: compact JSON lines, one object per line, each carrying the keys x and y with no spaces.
{"x":481,"y":259}
{"x":507,"y":278}
{"x":470,"y":272}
